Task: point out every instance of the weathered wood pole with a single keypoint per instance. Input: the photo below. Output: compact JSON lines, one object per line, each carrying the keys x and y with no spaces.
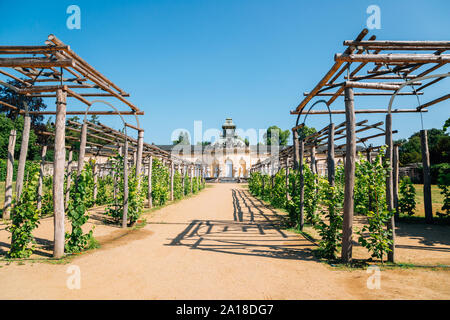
{"x":41,"y":177}
{"x":150,"y":167}
{"x":395,"y":182}
{"x":287,"y":178}
{"x":426,"y":177}
{"x":69,"y":179}
{"x":125,"y":185}
{"x":330,"y":155}
{"x":301,"y":217}
{"x":58,"y":174}
{"x":389,"y":186}
{"x":190,"y":176}
{"x":182,"y":177}
{"x":171,"y":179}
{"x":23,"y":153}
{"x":95,"y":172}
{"x":369,"y":159}
{"x":312,"y":164}
{"x":134,"y":158}
{"x":82,"y":152}
{"x":9,"y":175}
{"x":139,"y":156}
{"x":296,"y":148}
{"x":350,"y":150}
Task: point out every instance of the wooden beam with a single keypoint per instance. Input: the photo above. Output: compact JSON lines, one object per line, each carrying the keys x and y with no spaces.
{"x":35,"y":62}
{"x":387,"y":58}
{"x":316,"y":112}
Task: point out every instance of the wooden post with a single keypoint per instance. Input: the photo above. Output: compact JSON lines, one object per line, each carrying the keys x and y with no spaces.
{"x":426,"y":177}
{"x":302,"y":185}
{"x":41,"y":177}
{"x":134,"y":158}
{"x":139,"y":156}
{"x":171,"y":180}
{"x":369,"y":159}
{"x":125,"y":185}
{"x":330,"y":155}
{"x":182,"y":177}
{"x":69,"y":179}
{"x":191,"y":173}
{"x":395,"y":182}
{"x":296,"y":148}
{"x":95,"y":191}
{"x":389,"y":187}
{"x":9,"y":175}
{"x":58,"y":174}
{"x":23,"y":153}
{"x":350,"y":149}
{"x":313,"y":159}
{"x":287,"y":178}
{"x":150,"y":166}
{"x":82,"y":152}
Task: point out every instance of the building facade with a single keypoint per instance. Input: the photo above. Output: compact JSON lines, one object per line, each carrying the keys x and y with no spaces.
{"x":228,"y":157}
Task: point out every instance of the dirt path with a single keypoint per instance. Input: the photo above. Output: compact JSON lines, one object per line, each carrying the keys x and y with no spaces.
{"x":220,"y":244}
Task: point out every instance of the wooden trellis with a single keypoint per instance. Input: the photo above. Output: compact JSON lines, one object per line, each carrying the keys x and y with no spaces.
{"x":55,"y":70}
{"x":385,"y":68}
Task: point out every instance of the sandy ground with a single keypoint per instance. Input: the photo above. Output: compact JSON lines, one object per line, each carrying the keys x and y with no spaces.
{"x":220,"y":244}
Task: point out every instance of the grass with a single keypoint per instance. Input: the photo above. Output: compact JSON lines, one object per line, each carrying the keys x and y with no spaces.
{"x":436,"y":197}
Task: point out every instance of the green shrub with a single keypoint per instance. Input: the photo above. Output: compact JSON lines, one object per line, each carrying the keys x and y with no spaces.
{"x":77,"y":213}
{"x":25,"y":218}
{"x":407,"y":197}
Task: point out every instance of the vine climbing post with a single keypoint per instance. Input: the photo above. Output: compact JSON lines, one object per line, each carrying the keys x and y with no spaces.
{"x":426,"y":177}
{"x":171,"y":179}
{"x":58,"y":174}
{"x":395,"y":181}
{"x":95,"y":173}
{"x":350,"y":149}
{"x":313,"y":159}
{"x":125,"y":184}
{"x":389,"y":187}
{"x":190,"y":176}
{"x":302,"y":185}
{"x":150,"y":167}
{"x":69,"y":178}
{"x":139,"y":156}
{"x":9,"y":175}
{"x":296,"y":148}
{"x":330,"y":155}
{"x":369,"y":160}
{"x":287,"y":178}
{"x":183,"y":168}
{"x":41,"y":177}
{"x":23,"y":152}
{"x":82,"y":151}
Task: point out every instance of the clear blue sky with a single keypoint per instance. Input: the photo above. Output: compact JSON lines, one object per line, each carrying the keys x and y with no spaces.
{"x":186,"y":60}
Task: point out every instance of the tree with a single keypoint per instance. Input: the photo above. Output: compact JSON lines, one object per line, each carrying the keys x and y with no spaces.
{"x":276,"y":131}
{"x":10,"y":96}
{"x":438,"y":145}
{"x":94,"y":119}
{"x":305,"y":131}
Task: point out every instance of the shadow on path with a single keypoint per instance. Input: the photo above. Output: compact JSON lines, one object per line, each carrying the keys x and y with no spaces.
{"x":253,"y":230}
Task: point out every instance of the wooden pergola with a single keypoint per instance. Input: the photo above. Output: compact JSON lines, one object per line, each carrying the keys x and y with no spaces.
{"x":54,"y":70}
{"x":372,"y":68}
